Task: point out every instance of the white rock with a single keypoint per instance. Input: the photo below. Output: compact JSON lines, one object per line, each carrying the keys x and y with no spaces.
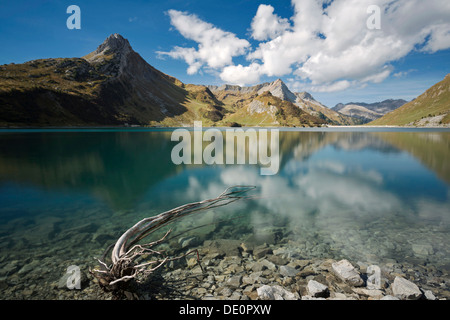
{"x":429,"y":295}
{"x":389,"y":297}
{"x":275,"y":293}
{"x":345,"y":270}
{"x":405,"y":289}
{"x":374,"y":293}
{"x":316,"y":289}
{"x":342,"y":296}
{"x":312,"y":298}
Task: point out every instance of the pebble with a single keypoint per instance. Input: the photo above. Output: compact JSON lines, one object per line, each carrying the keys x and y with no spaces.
{"x":275,"y":292}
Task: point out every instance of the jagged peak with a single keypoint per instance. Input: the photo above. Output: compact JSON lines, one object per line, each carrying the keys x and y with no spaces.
{"x":114,"y":44}
{"x":278,"y":81}
{"x":305,"y":96}
{"x":279,"y":89}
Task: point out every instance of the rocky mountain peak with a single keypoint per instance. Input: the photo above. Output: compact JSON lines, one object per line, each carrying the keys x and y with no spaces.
{"x":305,"y":96}
{"x":279,"y":89}
{"x":115,"y":46}
{"x":115,"y":43}
{"x":114,"y":56}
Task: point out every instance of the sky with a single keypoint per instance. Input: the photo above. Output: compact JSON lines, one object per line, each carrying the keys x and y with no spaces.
{"x":340,"y":51}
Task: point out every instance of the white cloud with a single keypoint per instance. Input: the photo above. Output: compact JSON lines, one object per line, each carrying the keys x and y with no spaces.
{"x":440,"y":38}
{"x":325,"y":44}
{"x":266,"y":25}
{"x":216,"y":48}
{"x":331,"y":87}
{"x":241,"y":75}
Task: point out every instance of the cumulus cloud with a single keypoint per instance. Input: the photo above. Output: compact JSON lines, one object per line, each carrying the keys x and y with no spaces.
{"x":266,"y":25}
{"x":241,"y":75}
{"x":216,"y":48}
{"x":326,"y":45}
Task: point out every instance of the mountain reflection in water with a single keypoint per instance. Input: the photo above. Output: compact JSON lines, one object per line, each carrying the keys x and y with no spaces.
{"x":369,"y":196}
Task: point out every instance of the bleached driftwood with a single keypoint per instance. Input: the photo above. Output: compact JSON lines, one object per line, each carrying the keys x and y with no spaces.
{"x":127,"y":250}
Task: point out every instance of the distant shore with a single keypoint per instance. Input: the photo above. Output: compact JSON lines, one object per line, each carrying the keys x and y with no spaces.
{"x":219,"y":127}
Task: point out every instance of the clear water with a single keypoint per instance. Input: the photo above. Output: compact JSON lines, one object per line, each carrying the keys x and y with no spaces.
{"x":366,"y":195}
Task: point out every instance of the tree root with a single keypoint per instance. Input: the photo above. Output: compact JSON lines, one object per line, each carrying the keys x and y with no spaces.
{"x":126,"y":252}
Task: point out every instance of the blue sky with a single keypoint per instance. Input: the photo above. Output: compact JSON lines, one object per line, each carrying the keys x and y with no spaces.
{"x":320,"y":46}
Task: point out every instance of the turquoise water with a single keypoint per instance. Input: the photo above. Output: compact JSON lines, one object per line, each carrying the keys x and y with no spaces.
{"x":366,"y":195}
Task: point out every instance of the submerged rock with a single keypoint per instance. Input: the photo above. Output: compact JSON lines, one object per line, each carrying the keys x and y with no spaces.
{"x":226,"y":247}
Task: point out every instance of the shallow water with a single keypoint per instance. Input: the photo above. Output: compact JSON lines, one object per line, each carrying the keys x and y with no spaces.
{"x":371,"y":195}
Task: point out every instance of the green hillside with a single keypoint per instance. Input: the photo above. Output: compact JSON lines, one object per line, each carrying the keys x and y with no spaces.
{"x":431,"y":108}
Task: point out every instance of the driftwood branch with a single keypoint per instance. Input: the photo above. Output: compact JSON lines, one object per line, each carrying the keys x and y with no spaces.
{"x":127,"y":250}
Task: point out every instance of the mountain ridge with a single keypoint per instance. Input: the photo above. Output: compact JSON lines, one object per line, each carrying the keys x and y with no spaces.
{"x":233,"y":94}
{"x":114,"y":85}
{"x":368,"y":112}
{"x":432,"y":108}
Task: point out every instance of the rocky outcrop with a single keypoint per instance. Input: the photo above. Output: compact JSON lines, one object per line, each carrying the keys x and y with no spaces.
{"x":279,"y":89}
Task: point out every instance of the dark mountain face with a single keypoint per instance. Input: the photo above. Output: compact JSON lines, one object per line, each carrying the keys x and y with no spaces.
{"x":135,"y":88}
{"x":111,"y":86}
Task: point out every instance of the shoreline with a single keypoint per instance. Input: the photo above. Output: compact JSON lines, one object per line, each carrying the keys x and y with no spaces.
{"x":231,"y":270}
{"x":12,"y":128}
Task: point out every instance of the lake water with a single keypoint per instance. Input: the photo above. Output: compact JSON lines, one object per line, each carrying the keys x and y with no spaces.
{"x":367,"y":195}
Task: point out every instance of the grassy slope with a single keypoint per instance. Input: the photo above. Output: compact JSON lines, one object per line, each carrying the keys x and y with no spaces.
{"x":435,"y":101}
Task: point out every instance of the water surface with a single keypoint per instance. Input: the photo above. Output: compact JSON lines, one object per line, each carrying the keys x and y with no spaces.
{"x":370,"y":195}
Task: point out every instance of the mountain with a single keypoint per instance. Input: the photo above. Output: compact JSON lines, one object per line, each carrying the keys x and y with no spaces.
{"x":111,"y":86}
{"x":266,"y":109}
{"x":266,"y":104}
{"x":369,"y":112}
{"x":241,"y":97}
{"x":432,"y":108}
{"x":315,"y":108}
{"x":115,"y":86}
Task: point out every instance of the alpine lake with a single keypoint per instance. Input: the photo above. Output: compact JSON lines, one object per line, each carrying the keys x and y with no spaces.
{"x":370,"y":195}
